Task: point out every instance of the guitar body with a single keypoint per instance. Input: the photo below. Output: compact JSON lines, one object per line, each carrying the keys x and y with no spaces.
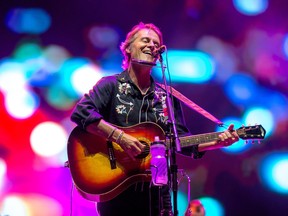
{"x":91,"y":169}
{"x":96,"y":177}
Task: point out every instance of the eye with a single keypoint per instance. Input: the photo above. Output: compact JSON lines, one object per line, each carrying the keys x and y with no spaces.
{"x":156,"y":44}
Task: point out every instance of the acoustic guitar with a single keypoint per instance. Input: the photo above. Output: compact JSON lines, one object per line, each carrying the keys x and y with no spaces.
{"x":98,"y":177}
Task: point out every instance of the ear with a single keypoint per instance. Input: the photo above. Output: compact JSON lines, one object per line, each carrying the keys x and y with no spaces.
{"x":128,"y":49}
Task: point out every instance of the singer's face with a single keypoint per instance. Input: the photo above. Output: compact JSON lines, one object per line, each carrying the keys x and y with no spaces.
{"x":146,"y":40}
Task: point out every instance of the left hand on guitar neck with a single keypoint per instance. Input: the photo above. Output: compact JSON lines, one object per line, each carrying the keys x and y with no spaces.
{"x":226,"y":138}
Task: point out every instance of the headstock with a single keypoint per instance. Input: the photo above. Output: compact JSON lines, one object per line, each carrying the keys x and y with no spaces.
{"x":251,"y":132}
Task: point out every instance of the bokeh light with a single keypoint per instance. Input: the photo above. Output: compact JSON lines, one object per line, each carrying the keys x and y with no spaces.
{"x":285,"y":45}
{"x":258,"y":115}
{"x":8,"y":206}
{"x":85,"y":77}
{"x":21,"y":104}
{"x":196,"y":67}
{"x":3,"y":169}
{"x":28,"y":20}
{"x":48,"y":139}
{"x":12,"y":76}
{"x":241,"y":89}
{"x":103,"y":37}
{"x":251,"y":7}
{"x":212,"y":206}
{"x":222,"y":53}
{"x":30,"y":205}
{"x":274,"y":172}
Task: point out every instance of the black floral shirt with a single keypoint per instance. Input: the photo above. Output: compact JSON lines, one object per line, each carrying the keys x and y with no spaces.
{"x":117,"y":100}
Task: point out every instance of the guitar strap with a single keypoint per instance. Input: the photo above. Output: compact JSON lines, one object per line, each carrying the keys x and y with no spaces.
{"x":191,"y":104}
{"x":111,"y":154}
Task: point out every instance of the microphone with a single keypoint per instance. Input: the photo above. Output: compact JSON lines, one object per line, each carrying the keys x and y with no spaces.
{"x":159,"y":51}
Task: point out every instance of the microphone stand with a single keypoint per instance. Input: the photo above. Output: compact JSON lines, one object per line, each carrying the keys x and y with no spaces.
{"x":174,"y":141}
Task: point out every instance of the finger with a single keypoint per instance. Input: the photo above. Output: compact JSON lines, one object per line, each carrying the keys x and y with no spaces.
{"x":131,"y":154}
{"x":136,"y":149}
{"x":141,"y":146}
{"x":231,"y":127}
{"x":223,"y":136}
{"x":228,"y":134}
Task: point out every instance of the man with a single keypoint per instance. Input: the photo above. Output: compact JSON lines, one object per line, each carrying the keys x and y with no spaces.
{"x":129,"y":98}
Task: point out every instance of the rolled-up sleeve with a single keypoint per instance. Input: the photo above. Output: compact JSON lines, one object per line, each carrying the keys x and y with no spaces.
{"x":92,"y":106}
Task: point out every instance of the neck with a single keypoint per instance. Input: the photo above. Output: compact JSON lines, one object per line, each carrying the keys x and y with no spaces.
{"x":140,"y":75}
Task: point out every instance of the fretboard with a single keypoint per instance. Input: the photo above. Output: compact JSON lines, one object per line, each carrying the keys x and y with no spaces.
{"x":198,"y":139}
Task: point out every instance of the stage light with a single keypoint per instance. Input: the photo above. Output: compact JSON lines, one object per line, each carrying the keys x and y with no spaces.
{"x":14,"y":205}
{"x":12,"y":76}
{"x":26,"y":51}
{"x":223,"y":55}
{"x":251,"y":7}
{"x":85,"y":77}
{"x":28,"y":20}
{"x":30,"y":205}
{"x":103,"y":37}
{"x":188,"y":66}
{"x":21,"y":104}
{"x":48,"y":139}
{"x":50,"y":62}
{"x":54,"y":56}
{"x":212,"y":206}
{"x":241,"y":89}
{"x":277,"y":103}
{"x":3,"y":170}
{"x":285,"y":45}
{"x":66,"y":72}
{"x":259,"y":115}
{"x":181,"y":201}
{"x":273,"y":172}
{"x":58,"y":97}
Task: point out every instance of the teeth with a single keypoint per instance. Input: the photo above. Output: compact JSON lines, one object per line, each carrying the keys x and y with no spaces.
{"x":147,"y":52}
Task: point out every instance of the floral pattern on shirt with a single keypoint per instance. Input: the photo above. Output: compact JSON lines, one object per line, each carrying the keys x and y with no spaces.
{"x":121,"y":109}
{"x":163,"y":113}
{"x":126,"y":107}
{"x":124,"y":88}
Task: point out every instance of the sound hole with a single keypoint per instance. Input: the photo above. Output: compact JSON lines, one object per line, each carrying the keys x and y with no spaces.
{"x":145,"y":152}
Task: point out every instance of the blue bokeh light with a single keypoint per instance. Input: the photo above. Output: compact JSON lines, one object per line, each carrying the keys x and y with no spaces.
{"x":251,"y":7}
{"x":259,"y":115}
{"x":189,"y":66}
{"x":241,"y":89}
{"x":212,"y":206}
{"x":273,"y":172}
{"x":28,"y":20}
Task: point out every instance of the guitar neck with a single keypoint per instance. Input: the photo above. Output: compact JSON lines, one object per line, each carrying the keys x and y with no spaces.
{"x":198,"y":139}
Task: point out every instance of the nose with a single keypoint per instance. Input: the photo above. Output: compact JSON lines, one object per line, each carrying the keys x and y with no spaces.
{"x":151,"y":44}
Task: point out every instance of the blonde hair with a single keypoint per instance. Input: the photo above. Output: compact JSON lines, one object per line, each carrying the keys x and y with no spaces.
{"x":131,"y":37}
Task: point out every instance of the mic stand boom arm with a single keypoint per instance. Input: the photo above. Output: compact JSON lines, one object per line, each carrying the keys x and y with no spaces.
{"x":174,"y":141}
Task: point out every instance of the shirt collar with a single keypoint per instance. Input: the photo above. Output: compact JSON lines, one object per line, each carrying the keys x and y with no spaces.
{"x":124,"y":77}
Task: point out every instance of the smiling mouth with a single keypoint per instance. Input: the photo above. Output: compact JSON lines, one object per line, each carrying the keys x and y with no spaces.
{"x":148,"y":52}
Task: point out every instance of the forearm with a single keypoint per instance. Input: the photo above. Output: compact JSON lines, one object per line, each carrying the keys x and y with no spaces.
{"x":105,"y":129}
{"x":128,"y":143}
{"x":208,"y":146}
